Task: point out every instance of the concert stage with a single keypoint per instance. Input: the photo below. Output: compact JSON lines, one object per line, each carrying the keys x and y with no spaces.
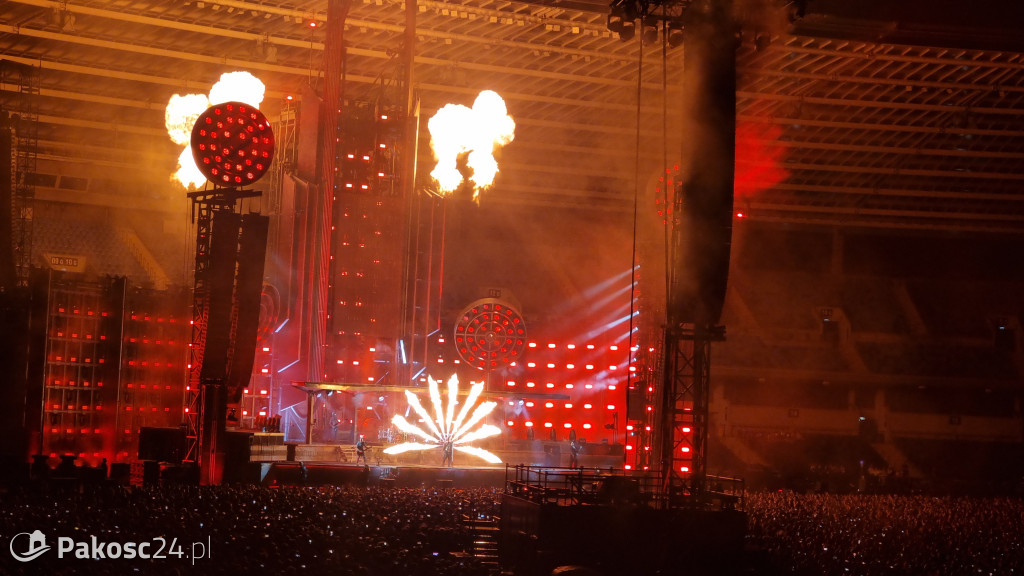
{"x":265,"y":458}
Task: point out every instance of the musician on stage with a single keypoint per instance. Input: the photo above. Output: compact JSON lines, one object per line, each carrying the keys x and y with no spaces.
{"x":448,"y":453}
{"x":361,"y":450}
{"x":574,"y":450}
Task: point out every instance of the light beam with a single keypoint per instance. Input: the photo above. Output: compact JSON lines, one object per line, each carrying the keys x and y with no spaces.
{"x":447,"y":426}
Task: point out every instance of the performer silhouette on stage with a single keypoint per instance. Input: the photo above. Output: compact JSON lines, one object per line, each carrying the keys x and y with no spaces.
{"x":574,"y":450}
{"x":448,"y":453}
{"x":361,"y":450}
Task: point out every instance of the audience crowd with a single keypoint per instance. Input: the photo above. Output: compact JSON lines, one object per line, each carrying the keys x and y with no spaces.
{"x":891,"y":535}
{"x":359,"y":531}
{"x":363,"y":531}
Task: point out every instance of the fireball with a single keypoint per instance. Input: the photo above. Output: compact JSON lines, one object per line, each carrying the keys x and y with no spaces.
{"x":478,"y":131}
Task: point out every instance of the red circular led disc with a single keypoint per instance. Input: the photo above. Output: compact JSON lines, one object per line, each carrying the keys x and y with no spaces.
{"x":232,"y":144}
{"x":490,"y":334}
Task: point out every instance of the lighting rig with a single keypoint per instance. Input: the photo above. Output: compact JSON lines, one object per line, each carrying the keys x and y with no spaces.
{"x":668,"y":15}
{"x":671,"y":17}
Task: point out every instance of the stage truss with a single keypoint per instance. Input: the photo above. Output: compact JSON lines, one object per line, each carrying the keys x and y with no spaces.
{"x":684,"y":412}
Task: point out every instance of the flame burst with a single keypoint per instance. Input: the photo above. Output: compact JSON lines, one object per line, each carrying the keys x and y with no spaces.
{"x":445,"y":426}
{"x":238,"y":87}
{"x":181,"y":113}
{"x":456,"y":130}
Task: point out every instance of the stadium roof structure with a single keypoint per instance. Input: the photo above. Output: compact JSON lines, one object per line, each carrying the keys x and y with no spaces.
{"x":864,"y":113}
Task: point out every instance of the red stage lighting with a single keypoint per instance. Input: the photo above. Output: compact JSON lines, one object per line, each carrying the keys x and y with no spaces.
{"x":232,"y":144}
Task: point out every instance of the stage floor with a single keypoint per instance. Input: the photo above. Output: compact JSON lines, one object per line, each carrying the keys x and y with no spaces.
{"x":271,"y":460}
{"x":405,"y":476}
{"x":532,"y":454}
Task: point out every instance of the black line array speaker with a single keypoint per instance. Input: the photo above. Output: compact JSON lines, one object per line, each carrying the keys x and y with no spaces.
{"x":249,"y":288}
{"x":636,"y":402}
{"x":702,"y":234}
{"x":220,"y":289}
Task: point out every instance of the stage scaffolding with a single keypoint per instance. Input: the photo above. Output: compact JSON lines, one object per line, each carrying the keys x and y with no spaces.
{"x":684,"y":412}
{"x":24,"y":120}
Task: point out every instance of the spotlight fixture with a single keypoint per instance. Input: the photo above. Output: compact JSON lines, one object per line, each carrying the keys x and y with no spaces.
{"x":628,"y":30}
{"x":761,"y":41}
{"x":675,"y":34}
{"x":649,"y":35}
{"x":615,"y":19}
{"x":623,"y":16}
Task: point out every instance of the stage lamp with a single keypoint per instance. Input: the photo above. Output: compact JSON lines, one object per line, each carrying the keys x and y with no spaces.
{"x":615,"y":19}
{"x":761,"y":41}
{"x":628,"y":30}
{"x":649,"y":35}
{"x":675,"y":34}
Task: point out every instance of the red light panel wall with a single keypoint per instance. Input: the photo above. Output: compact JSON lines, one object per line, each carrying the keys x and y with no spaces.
{"x":81,"y":369}
{"x":115,"y":362}
{"x":555,"y":388}
{"x":367,"y":246}
{"x":154,"y":358}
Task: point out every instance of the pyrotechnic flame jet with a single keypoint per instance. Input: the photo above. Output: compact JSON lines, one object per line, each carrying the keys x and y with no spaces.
{"x":181,"y":113}
{"x":478,"y":131}
{"x":445,"y":426}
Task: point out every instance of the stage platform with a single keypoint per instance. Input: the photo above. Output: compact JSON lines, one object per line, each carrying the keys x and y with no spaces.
{"x":271,"y":447}
{"x":264,"y":458}
{"x":339,"y":474}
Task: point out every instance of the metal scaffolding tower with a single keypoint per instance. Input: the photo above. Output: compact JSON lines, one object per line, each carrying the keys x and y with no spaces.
{"x":684,"y":411}
{"x":24,"y":120}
